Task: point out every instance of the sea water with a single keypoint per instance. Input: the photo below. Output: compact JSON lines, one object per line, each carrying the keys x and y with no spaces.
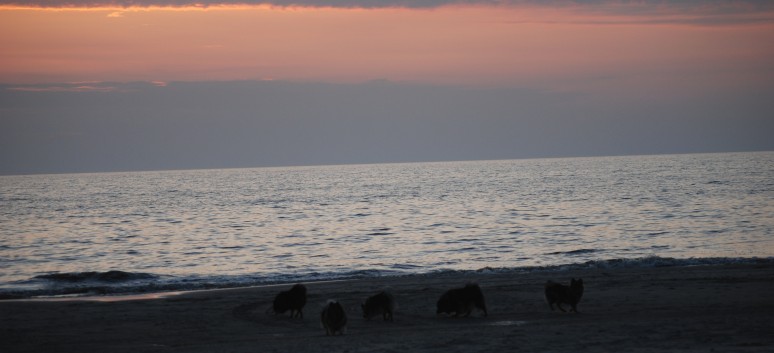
{"x":169,"y":230}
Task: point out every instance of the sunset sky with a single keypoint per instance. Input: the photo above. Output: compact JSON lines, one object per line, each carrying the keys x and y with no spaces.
{"x":137,"y":85}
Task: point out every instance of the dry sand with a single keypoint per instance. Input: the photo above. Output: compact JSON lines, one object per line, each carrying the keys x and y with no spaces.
{"x":723,"y":308}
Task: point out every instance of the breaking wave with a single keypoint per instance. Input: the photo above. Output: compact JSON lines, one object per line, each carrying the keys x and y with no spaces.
{"x":109,"y":276}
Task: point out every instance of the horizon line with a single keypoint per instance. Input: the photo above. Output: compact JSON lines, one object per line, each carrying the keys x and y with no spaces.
{"x":279,"y":166}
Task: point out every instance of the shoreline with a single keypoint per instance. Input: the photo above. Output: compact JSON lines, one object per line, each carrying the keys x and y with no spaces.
{"x":725,"y":307}
{"x":85,"y":290}
{"x":155,"y":295}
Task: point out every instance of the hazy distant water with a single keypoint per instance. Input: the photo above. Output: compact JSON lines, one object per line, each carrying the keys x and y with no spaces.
{"x":222,"y":227}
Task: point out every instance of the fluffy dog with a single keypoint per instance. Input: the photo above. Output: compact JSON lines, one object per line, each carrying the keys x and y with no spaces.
{"x":562,"y":294}
{"x":333,"y":318}
{"x":461,"y":301}
{"x":293,"y":300}
{"x":381,"y":303}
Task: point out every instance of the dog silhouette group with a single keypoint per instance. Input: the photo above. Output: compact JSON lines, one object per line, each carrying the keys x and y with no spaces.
{"x":455,"y":302}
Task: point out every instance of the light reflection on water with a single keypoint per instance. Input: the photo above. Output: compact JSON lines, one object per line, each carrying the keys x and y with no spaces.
{"x":403,"y":217}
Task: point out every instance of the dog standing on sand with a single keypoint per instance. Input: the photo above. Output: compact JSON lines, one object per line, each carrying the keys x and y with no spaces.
{"x":333,"y":318}
{"x":293,"y":300}
{"x":560,"y":293}
{"x":461,"y":301}
{"x":382,"y":303}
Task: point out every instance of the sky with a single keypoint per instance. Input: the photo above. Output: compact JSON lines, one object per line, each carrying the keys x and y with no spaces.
{"x":99,"y":86}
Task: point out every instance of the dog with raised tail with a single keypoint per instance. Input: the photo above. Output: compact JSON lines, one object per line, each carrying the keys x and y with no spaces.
{"x":559,"y":294}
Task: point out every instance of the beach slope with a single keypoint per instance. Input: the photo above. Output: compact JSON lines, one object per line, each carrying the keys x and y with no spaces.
{"x":725,"y":308}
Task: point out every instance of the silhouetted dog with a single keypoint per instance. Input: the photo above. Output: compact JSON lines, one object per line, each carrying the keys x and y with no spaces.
{"x":293,"y":300}
{"x":333,"y":318}
{"x":560,"y":293}
{"x":461,"y":301}
{"x":379,"y":304}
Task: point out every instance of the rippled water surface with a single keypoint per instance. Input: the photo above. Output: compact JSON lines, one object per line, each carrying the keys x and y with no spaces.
{"x":394,"y":218}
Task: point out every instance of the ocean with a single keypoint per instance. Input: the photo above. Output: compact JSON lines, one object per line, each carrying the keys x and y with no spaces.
{"x":112,"y":233}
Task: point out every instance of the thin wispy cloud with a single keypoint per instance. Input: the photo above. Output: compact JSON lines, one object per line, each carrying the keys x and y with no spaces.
{"x":281,"y":3}
{"x":592,"y":12}
{"x":67,"y":87}
{"x":691,"y":19}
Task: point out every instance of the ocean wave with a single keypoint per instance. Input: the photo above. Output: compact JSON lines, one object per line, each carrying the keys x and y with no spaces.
{"x":98,"y":283}
{"x":641,"y":262}
{"x":124,"y":283}
{"x":656,"y":261}
{"x":109,"y":276}
{"x":575,"y":252}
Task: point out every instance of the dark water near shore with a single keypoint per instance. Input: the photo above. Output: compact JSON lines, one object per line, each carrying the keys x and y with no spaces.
{"x":115,"y":232}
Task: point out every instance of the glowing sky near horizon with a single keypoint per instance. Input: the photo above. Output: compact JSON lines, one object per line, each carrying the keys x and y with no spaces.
{"x":553,"y":47}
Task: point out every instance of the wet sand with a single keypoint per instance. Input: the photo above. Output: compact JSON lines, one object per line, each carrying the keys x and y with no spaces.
{"x":723,"y":308}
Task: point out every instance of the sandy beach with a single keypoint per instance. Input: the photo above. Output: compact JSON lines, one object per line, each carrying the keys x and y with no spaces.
{"x":723,"y":308}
